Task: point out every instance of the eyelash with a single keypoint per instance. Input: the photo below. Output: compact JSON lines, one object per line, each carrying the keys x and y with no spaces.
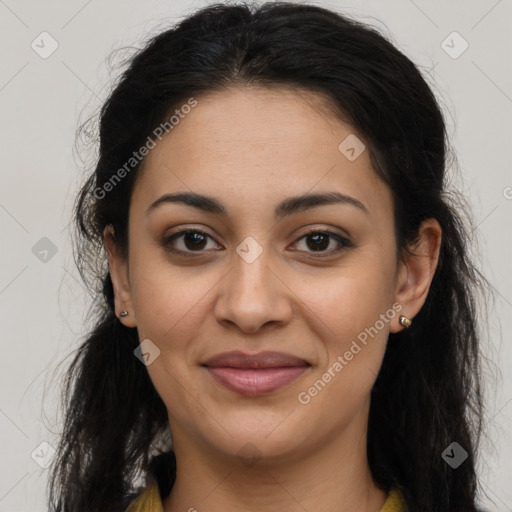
{"x":344,"y":242}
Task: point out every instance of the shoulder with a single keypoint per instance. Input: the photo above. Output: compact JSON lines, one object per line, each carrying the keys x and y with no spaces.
{"x":146,"y":500}
{"x":150,"y":498}
{"x":395,"y":502}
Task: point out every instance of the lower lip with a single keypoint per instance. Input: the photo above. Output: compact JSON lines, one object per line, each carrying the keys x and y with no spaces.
{"x":252,"y":382}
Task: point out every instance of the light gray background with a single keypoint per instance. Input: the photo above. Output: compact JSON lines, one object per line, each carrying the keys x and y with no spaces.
{"x":43,"y":304}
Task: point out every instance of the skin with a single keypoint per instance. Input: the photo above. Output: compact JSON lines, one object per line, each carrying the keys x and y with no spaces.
{"x":251,"y":148}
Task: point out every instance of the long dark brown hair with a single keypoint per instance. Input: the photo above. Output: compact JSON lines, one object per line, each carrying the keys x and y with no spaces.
{"x":428,"y":393}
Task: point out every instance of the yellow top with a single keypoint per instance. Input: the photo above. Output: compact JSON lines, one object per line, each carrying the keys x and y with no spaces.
{"x":149,"y":501}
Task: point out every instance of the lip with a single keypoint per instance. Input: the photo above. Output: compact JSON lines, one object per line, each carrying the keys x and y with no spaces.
{"x":255,"y":374}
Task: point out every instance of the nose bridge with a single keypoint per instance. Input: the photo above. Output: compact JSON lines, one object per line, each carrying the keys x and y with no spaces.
{"x":251,"y":295}
{"x":250,"y":279}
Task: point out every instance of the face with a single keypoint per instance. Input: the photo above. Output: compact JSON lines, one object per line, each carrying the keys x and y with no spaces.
{"x":250,"y":275}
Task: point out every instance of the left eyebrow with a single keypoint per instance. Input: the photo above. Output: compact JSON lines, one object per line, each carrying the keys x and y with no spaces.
{"x":307,"y":201}
{"x":287,"y":207}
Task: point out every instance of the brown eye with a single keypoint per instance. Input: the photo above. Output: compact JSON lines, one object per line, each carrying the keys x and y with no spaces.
{"x":187,"y":242}
{"x":194,"y":243}
{"x":319,"y":241}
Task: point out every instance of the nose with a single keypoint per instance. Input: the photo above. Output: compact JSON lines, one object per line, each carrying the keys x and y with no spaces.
{"x":253,"y":296}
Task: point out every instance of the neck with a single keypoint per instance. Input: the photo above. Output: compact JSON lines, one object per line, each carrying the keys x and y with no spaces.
{"x":334,"y":477}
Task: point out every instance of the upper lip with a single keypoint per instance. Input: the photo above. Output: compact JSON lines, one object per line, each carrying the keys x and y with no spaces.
{"x":237,"y":359}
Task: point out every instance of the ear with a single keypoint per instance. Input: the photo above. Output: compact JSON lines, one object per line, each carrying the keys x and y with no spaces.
{"x":417,"y":271}
{"x":119,"y":274}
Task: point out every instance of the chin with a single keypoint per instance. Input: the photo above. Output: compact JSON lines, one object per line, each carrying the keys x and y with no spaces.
{"x":263,"y":436}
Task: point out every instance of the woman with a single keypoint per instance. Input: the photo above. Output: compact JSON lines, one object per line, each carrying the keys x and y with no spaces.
{"x":288,"y":293}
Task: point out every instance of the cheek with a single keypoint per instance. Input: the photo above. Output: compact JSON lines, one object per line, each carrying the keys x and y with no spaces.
{"x":348,"y":312}
{"x":171,"y":306}
{"x":353,"y":309}
{"x":167,"y":297}
{"x":351,"y":299}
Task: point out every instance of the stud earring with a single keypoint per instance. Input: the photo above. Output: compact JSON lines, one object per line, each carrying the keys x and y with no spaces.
{"x":124,"y":313}
{"x":406,"y":322}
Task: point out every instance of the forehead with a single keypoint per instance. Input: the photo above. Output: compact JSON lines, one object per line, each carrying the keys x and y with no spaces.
{"x":247,"y":144}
